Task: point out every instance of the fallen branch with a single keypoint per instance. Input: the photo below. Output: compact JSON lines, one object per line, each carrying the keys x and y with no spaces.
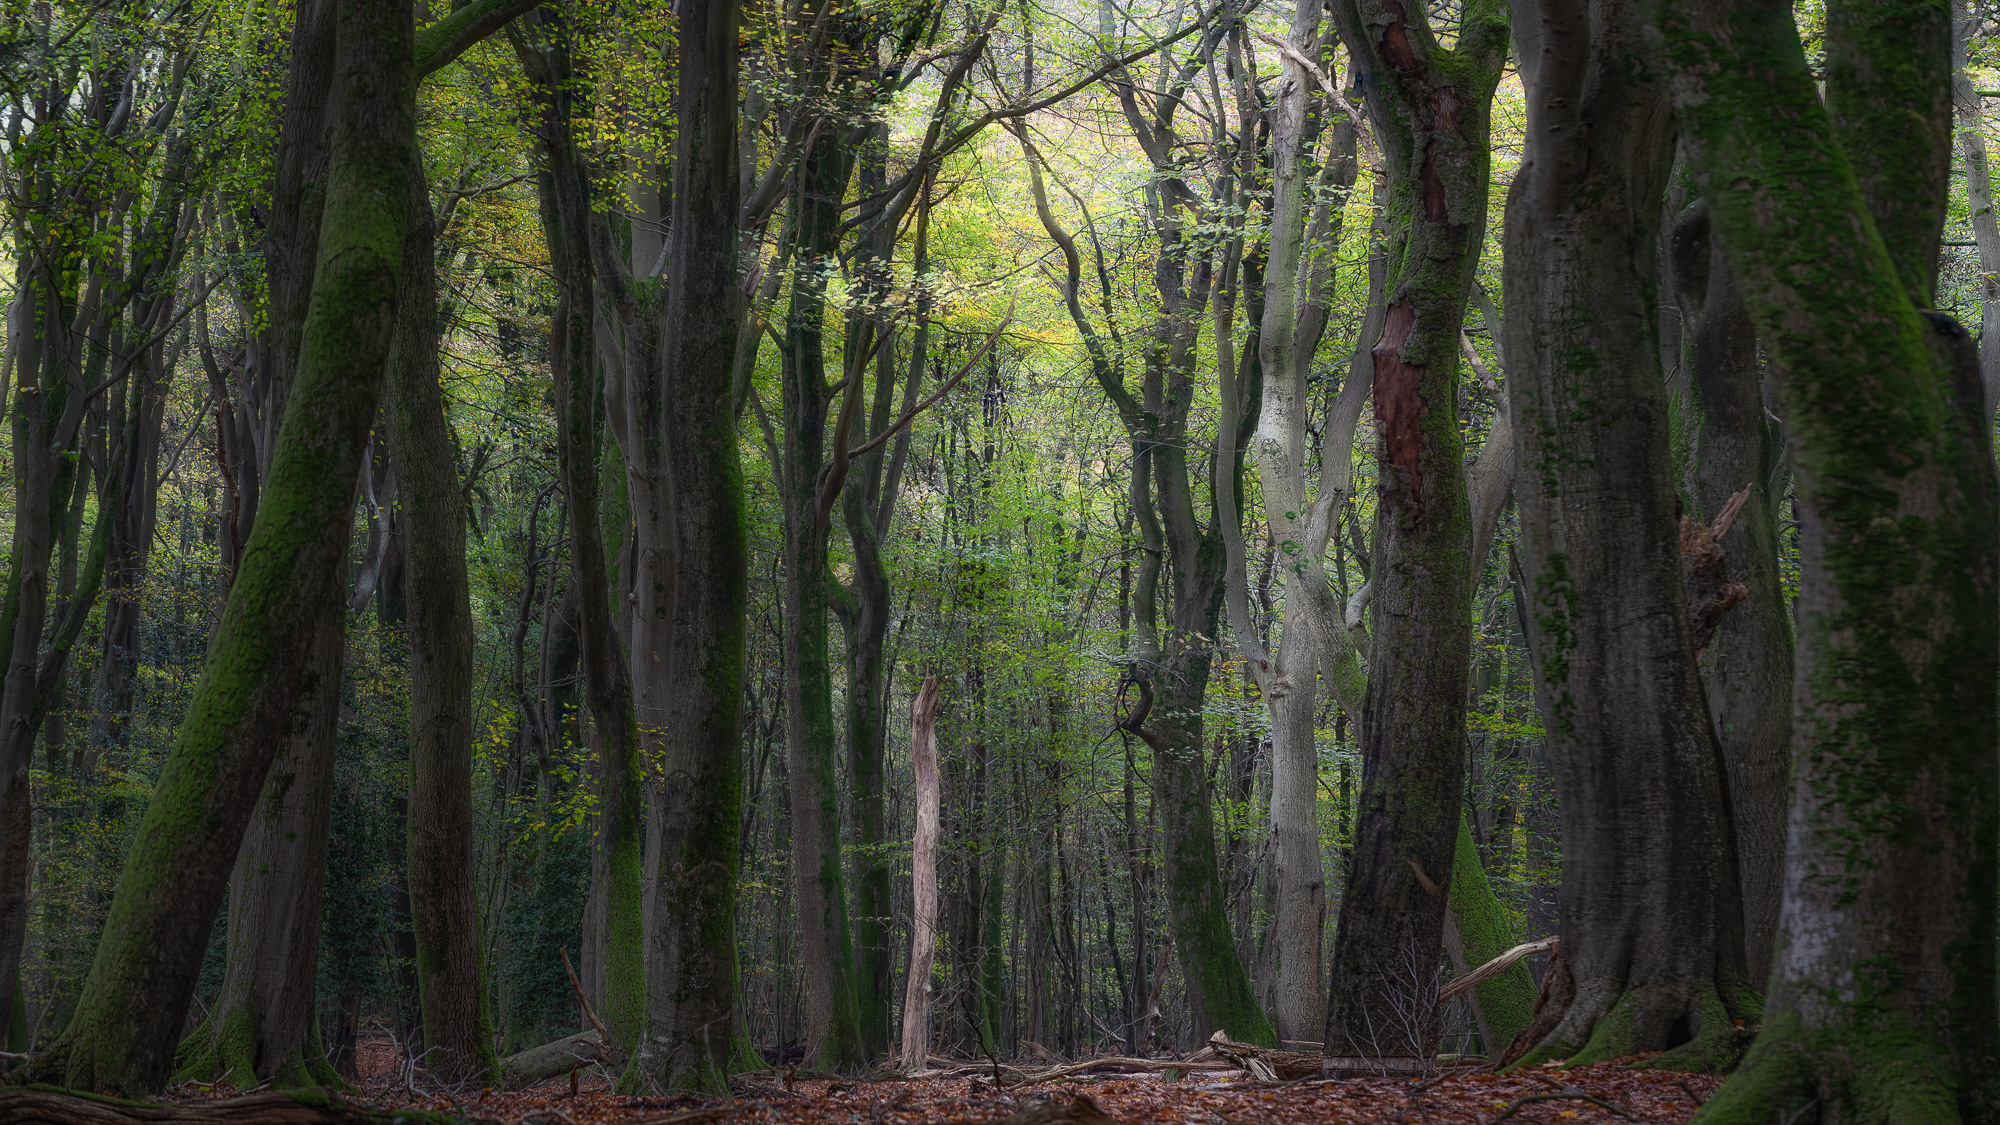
{"x":1493,"y":968}
{"x":603,"y":1032}
{"x":1572,"y":1095}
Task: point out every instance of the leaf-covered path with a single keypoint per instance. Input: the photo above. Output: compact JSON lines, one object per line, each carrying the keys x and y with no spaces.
{"x":1602,"y":1093}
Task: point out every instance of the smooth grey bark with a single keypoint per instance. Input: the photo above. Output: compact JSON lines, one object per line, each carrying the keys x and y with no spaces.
{"x":451,"y":962}
{"x":1300,"y":518}
{"x":614,"y":952}
{"x":1971,"y":114}
{"x":1651,"y":922}
{"x":915,"y":1053}
{"x":261,"y":1024}
{"x":1881,"y":1004}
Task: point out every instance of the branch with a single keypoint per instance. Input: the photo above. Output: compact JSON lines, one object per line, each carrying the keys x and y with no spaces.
{"x":881,"y":439}
{"x":440,"y":44}
{"x":603,"y":1032}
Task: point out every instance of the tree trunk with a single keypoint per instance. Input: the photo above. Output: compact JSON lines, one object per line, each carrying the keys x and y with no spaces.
{"x":614,"y":953}
{"x":122,"y":1034}
{"x":1430,"y":110}
{"x":261,"y":1022}
{"x":1650,"y":910}
{"x":696,"y":826}
{"x":1881,"y":1001}
{"x":1971,"y":107}
{"x":451,"y":962}
{"x":1506,"y":1004}
{"x":923,"y":878}
{"x":1749,"y":670}
{"x":833,"y":1011}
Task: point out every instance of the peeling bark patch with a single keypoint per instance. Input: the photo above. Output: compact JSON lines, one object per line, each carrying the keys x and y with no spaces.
{"x":1396,"y":48}
{"x":1399,"y":405}
{"x":1434,"y":209}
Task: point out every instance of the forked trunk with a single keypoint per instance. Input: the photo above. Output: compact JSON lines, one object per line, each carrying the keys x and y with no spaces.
{"x":1650,"y":910}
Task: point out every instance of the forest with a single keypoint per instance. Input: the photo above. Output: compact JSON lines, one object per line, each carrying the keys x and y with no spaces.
{"x":727,"y":549}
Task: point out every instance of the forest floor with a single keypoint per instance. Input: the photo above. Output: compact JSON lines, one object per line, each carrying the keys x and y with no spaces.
{"x":1610,"y":1092}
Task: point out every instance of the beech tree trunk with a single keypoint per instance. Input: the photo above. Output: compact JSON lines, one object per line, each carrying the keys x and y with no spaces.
{"x":1651,"y":922}
{"x":444,"y":913}
{"x":832,"y":1004}
{"x":696,"y":828}
{"x":614,"y":953}
{"x":1430,"y":111}
{"x":1881,"y":1004}
{"x":122,"y":1034}
{"x":1749,"y":668}
{"x":261,"y":1025}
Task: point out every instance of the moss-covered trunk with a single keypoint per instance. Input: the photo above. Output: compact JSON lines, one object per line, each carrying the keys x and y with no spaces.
{"x":1430,"y":110}
{"x":127,"y":1019}
{"x":1507,"y":1002}
{"x":691,"y":949}
{"x":833,"y":1013}
{"x":260,"y":1025}
{"x":1650,"y":914}
{"x":1881,"y":999}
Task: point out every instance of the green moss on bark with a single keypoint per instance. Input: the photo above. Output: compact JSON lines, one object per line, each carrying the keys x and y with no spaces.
{"x":1508,"y":1000}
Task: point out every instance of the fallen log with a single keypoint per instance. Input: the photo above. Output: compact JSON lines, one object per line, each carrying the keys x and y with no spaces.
{"x":1265,"y":1064}
{"x":44,"y":1105}
{"x":585,"y":1048}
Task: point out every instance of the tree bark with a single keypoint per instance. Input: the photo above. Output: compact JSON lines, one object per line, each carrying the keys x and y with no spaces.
{"x":1881,"y":1004}
{"x":1749,"y":670}
{"x":122,"y":1034}
{"x":260,"y":1025}
{"x":451,"y":962}
{"x":923,"y":878}
{"x":832,"y":1005}
{"x":1971,"y":107}
{"x":614,"y":953}
{"x":696,"y":825}
{"x":1651,"y":923}
{"x":1430,"y":111}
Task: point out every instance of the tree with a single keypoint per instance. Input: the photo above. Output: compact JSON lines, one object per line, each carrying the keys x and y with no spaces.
{"x":1429,"y":106}
{"x":122,"y":1034}
{"x":691,"y":950}
{"x":1881,"y":1000}
{"x":1650,"y":908}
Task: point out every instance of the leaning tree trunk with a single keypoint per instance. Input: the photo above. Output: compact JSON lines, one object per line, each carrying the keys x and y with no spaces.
{"x":122,"y":1034}
{"x":691,"y":949}
{"x":1749,"y":670}
{"x":1881,"y":1004}
{"x":444,"y":913}
{"x":1430,"y":110}
{"x":1650,"y":913}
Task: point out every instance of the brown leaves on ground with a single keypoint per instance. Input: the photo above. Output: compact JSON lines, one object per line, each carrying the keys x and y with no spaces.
{"x":1603,"y":1093}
